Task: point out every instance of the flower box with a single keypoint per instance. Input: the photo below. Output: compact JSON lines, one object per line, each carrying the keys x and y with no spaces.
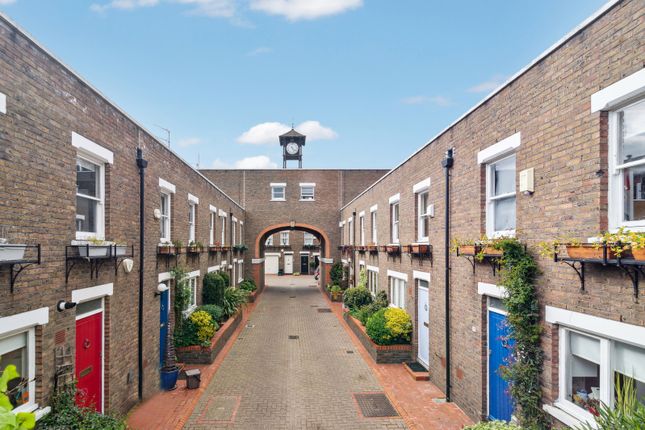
{"x":214,"y":248}
{"x":197,"y":354}
{"x":120,"y":250}
{"x":194,"y":249}
{"x":467,"y":250}
{"x":94,"y":250}
{"x":372,"y":248}
{"x":589,"y":251}
{"x":361,"y":249}
{"x":13,"y":252}
{"x":638,"y":254}
{"x":419,"y":249}
{"x":393,"y":249}
{"x":398,"y":353}
{"x":225,"y":248}
{"x":166,"y":250}
{"x":489,"y":251}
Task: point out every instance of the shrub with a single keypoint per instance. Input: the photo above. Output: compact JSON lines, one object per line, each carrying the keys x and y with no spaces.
{"x":377,"y":330}
{"x":233,"y":299}
{"x":8,"y":419}
{"x":226,"y":277}
{"x":186,"y":334}
{"x":493,"y":425}
{"x":248,"y":285}
{"x":336,"y":273}
{"x":381,"y":299}
{"x":216,"y":312}
{"x":399,"y":323}
{"x":357,"y":297}
{"x":363,"y":313}
{"x":204,"y":325}
{"x":213,"y":291}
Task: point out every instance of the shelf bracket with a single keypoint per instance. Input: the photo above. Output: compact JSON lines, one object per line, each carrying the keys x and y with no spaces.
{"x":633,"y":275}
{"x":580,"y":271}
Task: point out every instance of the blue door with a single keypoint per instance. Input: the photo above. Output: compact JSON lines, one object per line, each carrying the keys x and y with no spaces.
{"x":500,"y":404}
{"x":163,"y":325}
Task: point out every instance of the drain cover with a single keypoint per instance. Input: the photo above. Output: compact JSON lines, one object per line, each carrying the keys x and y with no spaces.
{"x":324,"y":310}
{"x":250,"y":325}
{"x":373,"y":405}
{"x":292,"y":297}
{"x":293,"y":336}
{"x":349,"y":352}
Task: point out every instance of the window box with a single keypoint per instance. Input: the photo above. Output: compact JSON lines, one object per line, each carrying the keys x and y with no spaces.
{"x":194,"y":248}
{"x":166,"y":249}
{"x":467,"y":250}
{"x":225,"y":248}
{"x":393,"y":249}
{"x":372,"y":248}
{"x":13,"y":252}
{"x":120,"y":250}
{"x":590,"y":251}
{"x":419,"y":249}
{"x":93,"y":250}
{"x":240,"y":248}
{"x":361,"y":248}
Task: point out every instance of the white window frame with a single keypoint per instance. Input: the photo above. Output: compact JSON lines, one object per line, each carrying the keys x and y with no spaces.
{"x":165,"y":220}
{"x":234,"y":231}
{"x":374,"y":223}
{"x":397,"y":286}
{"x":212,"y":224}
{"x":100,"y":209}
{"x":361,"y":224}
{"x":372,"y":279}
{"x":308,"y":197}
{"x":350,"y":228}
{"x":395,"y":222}
{"x":240,"y":271}
{"x":192,"y":279}
{"x":269,"y":241}
{"x":490,"y":199}
{"x":283,"y":235}
{"x":26,"y":322}
{"x":192,"y":222}
{"x":223,"y":217}
{"x":275,"y":186}
{"x":241,"y":237}
{"x":422,"y":213}
{"x":308,"y":239}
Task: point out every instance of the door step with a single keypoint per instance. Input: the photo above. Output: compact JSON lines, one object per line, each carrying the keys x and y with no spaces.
{"x":417,"y":371}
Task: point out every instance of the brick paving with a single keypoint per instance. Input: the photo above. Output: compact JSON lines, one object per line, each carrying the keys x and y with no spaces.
{"x":268,"y":381}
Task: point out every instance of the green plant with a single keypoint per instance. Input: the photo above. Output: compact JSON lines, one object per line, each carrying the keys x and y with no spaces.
{"x":335,"y":289}
{"x":216,"y":312}
{"x":628,"y":413}
{"x":381,"y":299}
{"x":66,"y":414}
{"x":226,"y":277}
{"x":248,"y":285}
{"x":399,"y":323}
{"x":357,"y":297}
{"x":186,"y":334}
{"x":362,"y":278}
{"x":213,"y":291}
{"x":177,"y":244}
{"x":9,"y":420}
{"x":493,"y":425}
{"x":182,"y":294}
{"x":376,"y":328}
{"x":240,"y":247}
{"x":204,"y":325}
{"x":363,"y":313}
{"x":96,"y":241}
{"x":233,"y":299}
{"x":336,"y":273}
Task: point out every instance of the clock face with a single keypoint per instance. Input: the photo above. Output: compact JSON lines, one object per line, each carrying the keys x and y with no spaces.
{"x":292,"y":148}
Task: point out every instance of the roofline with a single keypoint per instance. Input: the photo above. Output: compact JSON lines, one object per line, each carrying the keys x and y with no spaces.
{"x":84,"y":81}
{"x":321,"y":169}
{"x":596,"y":15}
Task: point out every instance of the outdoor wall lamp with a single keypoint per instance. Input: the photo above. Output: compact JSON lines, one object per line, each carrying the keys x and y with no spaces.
{"x":161,"y":288}
{"x":63,"y":305}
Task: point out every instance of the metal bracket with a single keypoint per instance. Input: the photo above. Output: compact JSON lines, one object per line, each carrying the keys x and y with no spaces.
{"x":580,"y":271}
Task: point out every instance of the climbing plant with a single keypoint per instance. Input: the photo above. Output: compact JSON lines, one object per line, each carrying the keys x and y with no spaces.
{"x":182,"y":295}
{"x":523,"y":371}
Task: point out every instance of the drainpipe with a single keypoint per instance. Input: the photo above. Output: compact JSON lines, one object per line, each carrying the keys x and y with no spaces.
{"x":230,"y":238}
{"x":141,"y":164}
{"x":447,"y":164}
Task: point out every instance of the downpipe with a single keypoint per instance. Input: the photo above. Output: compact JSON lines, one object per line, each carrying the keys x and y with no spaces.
{"x":141,"y":164}
{"x":447,"y":164}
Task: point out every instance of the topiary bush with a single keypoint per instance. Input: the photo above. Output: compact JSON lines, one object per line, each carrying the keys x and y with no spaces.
{"x":204,"y":326}
{"x":493,"y":425}
{"x":226,"y":277}
{"x":216,"y":312}
{"x":389,"y":326}
{"x":213,"y":291}
{"x":357,"y":297}
{"x":336,"y":273}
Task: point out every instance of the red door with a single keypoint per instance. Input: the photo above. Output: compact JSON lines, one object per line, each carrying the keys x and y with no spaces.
{"x":89,"y":372}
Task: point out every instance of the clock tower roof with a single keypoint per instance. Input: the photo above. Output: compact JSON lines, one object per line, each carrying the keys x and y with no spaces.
{"x":291,"y":133}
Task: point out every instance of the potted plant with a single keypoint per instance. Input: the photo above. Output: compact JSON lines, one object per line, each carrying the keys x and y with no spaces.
{"x":336,"y":293}
{"x":178,"y":245}
{"x":170,"y":369}
{"x":12,"y":252}
{"x":240,"y":248}
{"x":607,"y":245}
{"x":372,"y":247}
{"x":166,"y":247}
{"x":194,"y":247}
{"x":419,"y":248}
{"x":637,"y":245}
{"x":94,"y":248}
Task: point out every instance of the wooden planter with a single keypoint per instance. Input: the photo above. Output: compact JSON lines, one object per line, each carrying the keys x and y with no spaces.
{"x":419,"y":249}
{"x":489,"y":251}
{"x":206,"y":354}
{"x":372,"y":248}
{"x":393,"y":249}
{"x":194,"y":249}
{"x":361,"y":249}
{"x":166,"y":250}
{"x":467,"y":250}
{"x":638,"y":254}
{"x":214,"y":248}
{"x":589,"y":251}
{"x":380,"y":353}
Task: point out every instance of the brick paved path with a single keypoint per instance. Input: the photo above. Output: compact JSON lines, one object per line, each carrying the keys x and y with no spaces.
{"x":269,"y":381}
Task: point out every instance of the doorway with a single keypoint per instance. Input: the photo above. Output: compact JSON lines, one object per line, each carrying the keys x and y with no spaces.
{"x":89,"y":354}
{"x":423,"y":323}
{"x":304,"y":264}
{"x":500,"y":345}
{"x":288,"y":264}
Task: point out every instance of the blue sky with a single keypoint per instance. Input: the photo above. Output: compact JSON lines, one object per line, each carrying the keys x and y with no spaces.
{"x":369,"y":81}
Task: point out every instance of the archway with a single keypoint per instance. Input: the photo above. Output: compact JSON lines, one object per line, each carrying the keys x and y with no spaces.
{"x":260,"y":248}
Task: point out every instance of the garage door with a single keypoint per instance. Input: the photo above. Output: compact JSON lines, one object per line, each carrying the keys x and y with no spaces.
{"x":271,"y":264}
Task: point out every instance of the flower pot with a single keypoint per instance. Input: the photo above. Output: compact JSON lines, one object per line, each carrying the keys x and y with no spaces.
{"x":638,"y":254}
{"x":419,"y":249}
{"x":166,"y":249}
{"x":337,"y":296}
{"x":93,"y":250}
{"x":393,"y":249}
{"x":467,"y":249}
{"x":169,"y":378}
{"x":193,"y":249}
{"x":12,"y":252}
{"x":588,"y":251}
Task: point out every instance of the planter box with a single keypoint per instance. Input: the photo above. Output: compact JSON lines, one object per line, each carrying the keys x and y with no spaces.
{"x":94,"y":250}
{"x":214,"y":248}
{"x":166,"y":250}
{"x":372,"y":248}
{"x":379,"y":353}
{"x":489,"y":251}
{"x":589,"y":251}
{"x":206,"y":354}
{"x":120,"y":250}
{"x":467,"y":250}
{"x":638,"y":254}
{"x":393,"y":249}
{"x":12,"y":252}
{"x":253,"y":296}
{"x":419,"y":249}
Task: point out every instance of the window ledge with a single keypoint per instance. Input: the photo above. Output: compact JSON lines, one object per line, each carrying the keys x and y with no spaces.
{"x":307,"y":200}
{"x":563,"y":414}
{"x":278,"y":200}
{"x":503,"y":233}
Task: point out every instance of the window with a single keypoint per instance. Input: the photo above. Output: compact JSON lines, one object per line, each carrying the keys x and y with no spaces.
{"x":342,"y":233}
{"x":361,"y":223}
{"x":350,"y":228}
{"x":307,"y":191}
{"x":234,"y":230}
{"x":394,"y":215}
{"x":191,"y":284}
{"x":165,"y":217}
{"x":309,"y":239}
{"x":15,"y":350}
{"x":240,"y":271}
{"x":284,"y":238}
{"x":374,"y":227}
{"x":278,"y":192}
{"x":269,"y":241}
{"x":423,"y":217}
{"x":372,"y":281}
{"x":211,"y":227}
{"x":90,"y":180}
{"x":191,"y":222}
{"x":397,"y":292}
{"x":223,"y":229}
{"x":627,"y":166}
{"x":241,"y":238}
{"x":500,"y":197}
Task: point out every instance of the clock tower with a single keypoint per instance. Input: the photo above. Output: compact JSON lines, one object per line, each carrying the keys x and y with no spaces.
{"x":292,"y":143}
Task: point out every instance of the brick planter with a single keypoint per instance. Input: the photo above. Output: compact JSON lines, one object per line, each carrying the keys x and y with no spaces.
{"x":380,"y":353}
{"x":206,"y":354}
{"x":253,"y":296}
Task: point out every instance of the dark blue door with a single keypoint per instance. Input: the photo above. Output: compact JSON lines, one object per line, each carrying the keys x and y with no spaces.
{"x":163,"y":326}
{"x":500,"y":406}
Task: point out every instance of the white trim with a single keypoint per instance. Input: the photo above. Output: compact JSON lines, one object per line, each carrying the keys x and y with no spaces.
{"x":343,"y":223}
{"x":212,"y":269}
{"x":304,"y":252}
{"x":349,"y":219}
{"x":235,"y":260}
{"x":398,"y":275}
{"x":271,"y":254}
{"x":503,"y":147}
{"x":166,"y":186}
{"x":288,"y":252}
{"x":619,"y":92}
{"x":241,"y":222}
{"x":361,"y":262}
{"x":193,"y":274}
{"x":307,"y":184}
{"x":95,"y":150}
{"x":421,"y":186}
{"x":361,"y":214}
{"x":372,"y":268}
{"x":373,"y":208}
{"x":3,"y":103}
{"x":234,"y":219}
{"x":611,"y":329}
{"x":223,"y":213}
{"x":424,"y":276}
{"x":24,"y":320}
{"x":327,"y":260}
{"x":278,"y":184}
{"x":257,"y":260}
{"x":193,"y":199}
{"x":557,"y":412}
{"x":344,"y":261}
{"x":91,"y":293}
{"x":491,"y":290}
{"x":340,"y":224}
{"x":165,"y":276}
{"x":212,"y":209}
{"x":395,"y":198}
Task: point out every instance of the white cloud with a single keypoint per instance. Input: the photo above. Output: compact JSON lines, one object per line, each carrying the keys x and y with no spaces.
{"x":248,"y":163}
{"x":295,"y":10}
{"x":6,"y":2}
{"x":190,"y":141}
{"x":259,"y":51}
{"x":123,"y":4}
{"x":418,"y":100}
{"x":489,"y":85}
{"x":268,"y":132}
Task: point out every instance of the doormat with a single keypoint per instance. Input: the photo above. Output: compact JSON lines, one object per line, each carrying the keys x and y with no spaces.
{"x":415,"y":366}
{"x":375,"y":405}
{"x":324,"y":310}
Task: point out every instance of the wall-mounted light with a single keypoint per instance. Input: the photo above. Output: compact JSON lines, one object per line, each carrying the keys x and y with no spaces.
{"x":157,"y":213}
{"x":161,"y":288}
{"x":127,"y":265}
{"x":63,"y":305}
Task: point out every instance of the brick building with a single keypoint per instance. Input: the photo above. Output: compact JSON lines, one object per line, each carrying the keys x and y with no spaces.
{"x":563,"y":120}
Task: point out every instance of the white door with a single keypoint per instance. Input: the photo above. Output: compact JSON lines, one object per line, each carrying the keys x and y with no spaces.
{"x":271,"y":264}
{"x":288,"y":264}
{"x":423,"y":323}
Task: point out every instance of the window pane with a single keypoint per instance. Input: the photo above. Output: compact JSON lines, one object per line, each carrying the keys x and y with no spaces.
{"x":629,"y":360}
{"x":86,"y":214}
{"x":632,"y":132}
{"x":634,"y":193}
{"x":504,"y":214}
{"x":504,"y":176}
{"x":584,"y":380}
{"x":87,"y":178}
{"x":13,"y":350}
